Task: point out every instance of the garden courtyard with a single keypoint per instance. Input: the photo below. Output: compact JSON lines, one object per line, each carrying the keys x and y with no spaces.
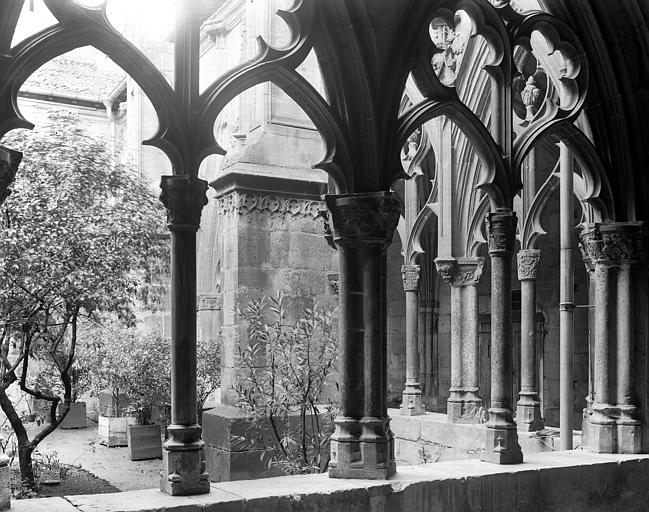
{"x":324,"y":255}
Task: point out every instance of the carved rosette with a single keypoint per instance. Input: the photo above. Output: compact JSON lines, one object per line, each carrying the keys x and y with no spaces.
{"x":410,"y":277}
{"x":468,"y":271}
{"x":9,"y":161}
{"x":617,"y":243}
{"x":445,"y":268}
{"x":363,"y":218}
{"x":184,"y":199}
{"x":501,"y":226}
{"x":528,"y":264}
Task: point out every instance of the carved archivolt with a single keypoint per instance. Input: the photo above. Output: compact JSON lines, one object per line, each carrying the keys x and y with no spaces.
{"x":237,"y":203}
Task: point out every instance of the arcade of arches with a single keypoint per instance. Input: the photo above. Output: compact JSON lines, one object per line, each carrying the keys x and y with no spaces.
{"x":488,"y":158}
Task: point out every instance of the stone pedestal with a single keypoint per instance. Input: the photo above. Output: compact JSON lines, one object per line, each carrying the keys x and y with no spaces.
{"x":463,"y":274}
{"x":362,"y":444}
{"x":528,"y":407}
{"x":501,"y":444}
{"x":183,"y":471}
{"x":411,"y":404}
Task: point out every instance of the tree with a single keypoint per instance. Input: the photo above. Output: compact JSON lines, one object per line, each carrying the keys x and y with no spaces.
{"x":80,"y":237}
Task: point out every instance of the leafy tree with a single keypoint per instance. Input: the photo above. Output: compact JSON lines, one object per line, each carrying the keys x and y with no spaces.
{"x":80,"y":236}
{"x":286,"y":369}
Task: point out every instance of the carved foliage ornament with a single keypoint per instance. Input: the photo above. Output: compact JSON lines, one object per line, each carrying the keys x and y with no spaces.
{"x":617,"y":243}
{"x":184,"y":199}
{"x":501,"y":226}
{"x":275,"y":206}
{"x":210,"y":303}
{"x":370,"y":217}
{"x":528,"y":264}
{"x":410,"y":277}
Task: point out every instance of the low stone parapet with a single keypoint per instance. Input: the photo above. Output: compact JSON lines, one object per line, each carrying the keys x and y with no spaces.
{"x":573,"y":481}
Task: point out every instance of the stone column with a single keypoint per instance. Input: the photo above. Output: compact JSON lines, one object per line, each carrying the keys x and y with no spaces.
{"x":429,"y":351}
{"x":463,"y":274}
{"x":632,"y":250}
{"x":362,"y":444}
{"x":566,"y":298}
{"x":602,"y":431}
{"x":501,"y":443}
{"x":590,"y":270}
{"x":412,"y":404}
{"x":183,"y":470}
{"x":528,"y":410}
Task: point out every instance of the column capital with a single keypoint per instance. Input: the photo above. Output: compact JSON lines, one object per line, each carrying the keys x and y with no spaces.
{"x":184,"y":199}
{"x":501,"y":227}
{"x":528,"y":264}
{"x":445,"y":268}
{"x":9,"y":161}
{"x":410,"y":276}
{"x":363,"y":218}
{"x":616,"y":243}
{"x":468,"y":271}
{"x":465,"y":271}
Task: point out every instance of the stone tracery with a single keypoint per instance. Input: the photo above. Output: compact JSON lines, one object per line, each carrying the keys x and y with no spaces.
{"x":360,"y":162}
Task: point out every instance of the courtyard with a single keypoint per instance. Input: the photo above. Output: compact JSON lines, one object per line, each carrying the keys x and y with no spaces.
{"x":305,"y":255}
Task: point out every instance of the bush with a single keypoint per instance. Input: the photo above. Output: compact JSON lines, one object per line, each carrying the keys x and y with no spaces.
{"x":285,"y":374}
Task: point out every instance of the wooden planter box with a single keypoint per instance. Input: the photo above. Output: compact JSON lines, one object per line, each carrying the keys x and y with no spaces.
{"x":112,"y":431}
{"x":145,"y":442}
{"x":112,"y":406}
{"x":76,"y":417}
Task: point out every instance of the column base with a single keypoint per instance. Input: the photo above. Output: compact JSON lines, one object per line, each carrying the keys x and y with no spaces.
{"x":629,"y":437}
{"x":528,"y":416}
{"x":183,"y":473}
{"x":602,"y":438}
{"x":463,"y":408}
{"x":501,"y":439}
{"x":183,"y":462}
{"x":412,"y":404}
{"x":370,"y":456}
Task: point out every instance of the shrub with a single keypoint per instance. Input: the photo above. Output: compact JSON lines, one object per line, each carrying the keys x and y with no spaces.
{"x":286,"y":369}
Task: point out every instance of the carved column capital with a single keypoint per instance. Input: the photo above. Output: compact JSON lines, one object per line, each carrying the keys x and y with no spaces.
{"x":468,"y":271}
{"x":410,"y":277}
{"x":501,"y":226}
{"x":184,"y":199}
{"x":9,"y":161}
{"x":460,"y":271}
{"x":528,"y":264}
{"x":363,"y":218}
{"x":616,"y":243}
{"x":445,"y":268}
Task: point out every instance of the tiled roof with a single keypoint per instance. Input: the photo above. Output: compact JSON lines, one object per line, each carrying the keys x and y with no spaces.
{"x":79,"y":77}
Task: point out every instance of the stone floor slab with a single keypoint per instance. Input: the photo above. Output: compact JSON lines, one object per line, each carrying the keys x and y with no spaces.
{"x":43,"y":505}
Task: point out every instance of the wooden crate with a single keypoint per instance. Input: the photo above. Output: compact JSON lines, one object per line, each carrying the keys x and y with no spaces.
{"x":145,"y":442}
{"x":112,"y":431}
{"x":76,"y":417}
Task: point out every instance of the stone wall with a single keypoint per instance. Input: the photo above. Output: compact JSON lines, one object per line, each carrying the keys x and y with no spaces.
{"x":548,"y":482}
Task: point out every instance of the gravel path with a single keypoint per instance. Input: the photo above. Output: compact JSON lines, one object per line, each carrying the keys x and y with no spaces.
{"x":80,"y":447}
